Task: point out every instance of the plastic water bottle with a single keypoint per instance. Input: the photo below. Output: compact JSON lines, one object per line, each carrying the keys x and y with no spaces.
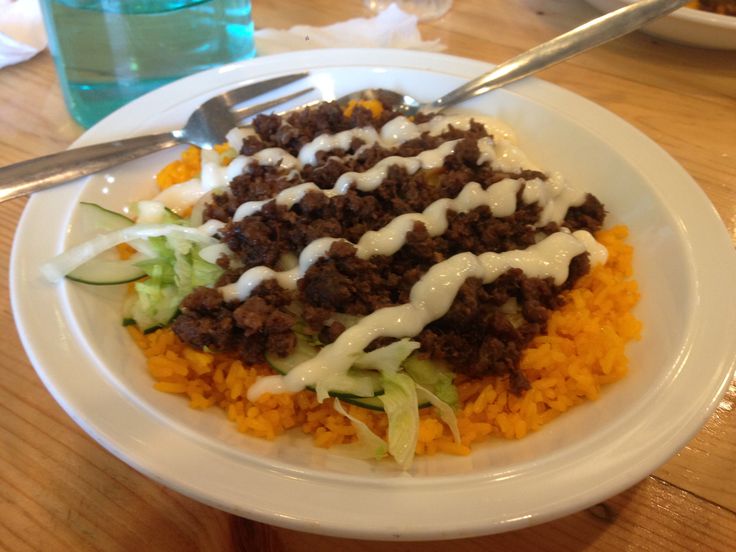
{"x":108,"y":52}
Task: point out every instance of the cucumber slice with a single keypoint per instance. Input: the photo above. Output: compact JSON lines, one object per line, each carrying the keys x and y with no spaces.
{"x":105,"y":269}
{"x":106,"y":272}
{"x":371,"y":403}
{"x":95,"y":219}
{"x":374,"y":403}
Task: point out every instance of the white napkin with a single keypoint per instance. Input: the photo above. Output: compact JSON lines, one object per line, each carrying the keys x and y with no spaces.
{"x":21,"y":31}
{"x":391,"y":28}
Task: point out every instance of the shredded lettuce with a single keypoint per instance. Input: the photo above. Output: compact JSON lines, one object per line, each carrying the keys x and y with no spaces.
{"x":369,"y":444}
{"x":152,"y":305}
{"x":174,"y":266}
{"x":400,"y":403}
{"x":407,"y":381}
{"x":435,"y":376}
{"x":168,"y":254}
{"x":388,"y":358}
{"x":357,"y":380}
{"x":60,"y":266}
{"x":172,"y":274}
{"x":446,"y":412}
{"x":347,"y":383}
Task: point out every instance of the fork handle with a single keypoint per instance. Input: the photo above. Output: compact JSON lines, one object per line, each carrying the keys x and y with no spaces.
{"x":593,"y":33}
{"x":44,"y":172}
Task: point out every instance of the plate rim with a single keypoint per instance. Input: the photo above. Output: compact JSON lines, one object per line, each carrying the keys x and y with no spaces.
{"x":400,"y":59}
{"x":685,"y":26}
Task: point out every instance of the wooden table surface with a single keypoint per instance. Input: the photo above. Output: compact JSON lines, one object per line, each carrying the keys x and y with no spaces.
{"x":59,"y":490}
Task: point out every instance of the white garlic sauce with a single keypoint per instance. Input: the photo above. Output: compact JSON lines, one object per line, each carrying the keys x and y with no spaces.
{"x":500,"y":151}
{"x":500,"y":198}
{"x":432,"y":296}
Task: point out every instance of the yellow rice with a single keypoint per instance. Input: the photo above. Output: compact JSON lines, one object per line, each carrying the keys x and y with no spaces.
{"x":374,"y":106}
{"x":180,"y":170}
{"x":582,"y":350}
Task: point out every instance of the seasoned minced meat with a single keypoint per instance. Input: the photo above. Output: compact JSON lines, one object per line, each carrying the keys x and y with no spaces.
{"x":259,"y":324}
{"x":487,"y":327}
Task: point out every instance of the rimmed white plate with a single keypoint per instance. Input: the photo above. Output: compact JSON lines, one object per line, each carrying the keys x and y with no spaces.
{"x":684,"y":263}
{"x":688,"y":26}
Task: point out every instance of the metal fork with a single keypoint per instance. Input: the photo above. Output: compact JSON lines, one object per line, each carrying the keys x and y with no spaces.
{"x":206,"y":126}
{"x":589,"y":35}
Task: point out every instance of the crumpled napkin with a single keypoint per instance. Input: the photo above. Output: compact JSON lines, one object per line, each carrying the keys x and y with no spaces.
{"x":391,"y":28}
{"x":22,"y":34}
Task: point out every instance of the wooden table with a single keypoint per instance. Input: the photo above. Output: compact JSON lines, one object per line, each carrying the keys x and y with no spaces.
{"x":60,"y":490}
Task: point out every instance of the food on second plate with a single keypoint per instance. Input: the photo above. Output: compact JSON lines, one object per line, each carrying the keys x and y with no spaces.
{"x":723,"y":7}
{"x":413,"y":284}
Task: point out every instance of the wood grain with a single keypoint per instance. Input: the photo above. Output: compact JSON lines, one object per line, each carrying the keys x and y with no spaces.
{"x":59,"y":490}
{"x":651,"y":516}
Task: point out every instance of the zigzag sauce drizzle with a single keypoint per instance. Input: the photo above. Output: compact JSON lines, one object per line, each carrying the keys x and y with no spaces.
{"x":500,"y":198}
{"x":366,"y":181}
{"x":431,"y":298}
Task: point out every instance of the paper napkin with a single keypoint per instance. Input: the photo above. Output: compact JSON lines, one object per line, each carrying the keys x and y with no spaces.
{"x":391,"y":28}
{"x":21,"y":31}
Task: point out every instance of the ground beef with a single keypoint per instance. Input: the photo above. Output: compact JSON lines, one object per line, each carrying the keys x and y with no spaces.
{"x":204,"y":321}
{"x":588,"y":216}
{"x":261,"y":323}
{"x":487,"y":327}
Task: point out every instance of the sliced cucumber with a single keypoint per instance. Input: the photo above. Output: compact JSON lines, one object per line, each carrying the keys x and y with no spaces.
{"x":95,"y":219}
{"x":105,"y":272}
{"x":375,"y":403}
{"x":106,"y":268}
{"x":371,"y":403}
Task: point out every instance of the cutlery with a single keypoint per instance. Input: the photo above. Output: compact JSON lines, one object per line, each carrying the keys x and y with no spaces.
{"x":206,"y":126}
{"x":589,"y":35}
{"x":209,"y":123}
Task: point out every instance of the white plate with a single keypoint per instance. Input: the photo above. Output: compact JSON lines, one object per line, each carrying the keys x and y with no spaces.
{"x":688,"y":26}
{"x":684,"y":263}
